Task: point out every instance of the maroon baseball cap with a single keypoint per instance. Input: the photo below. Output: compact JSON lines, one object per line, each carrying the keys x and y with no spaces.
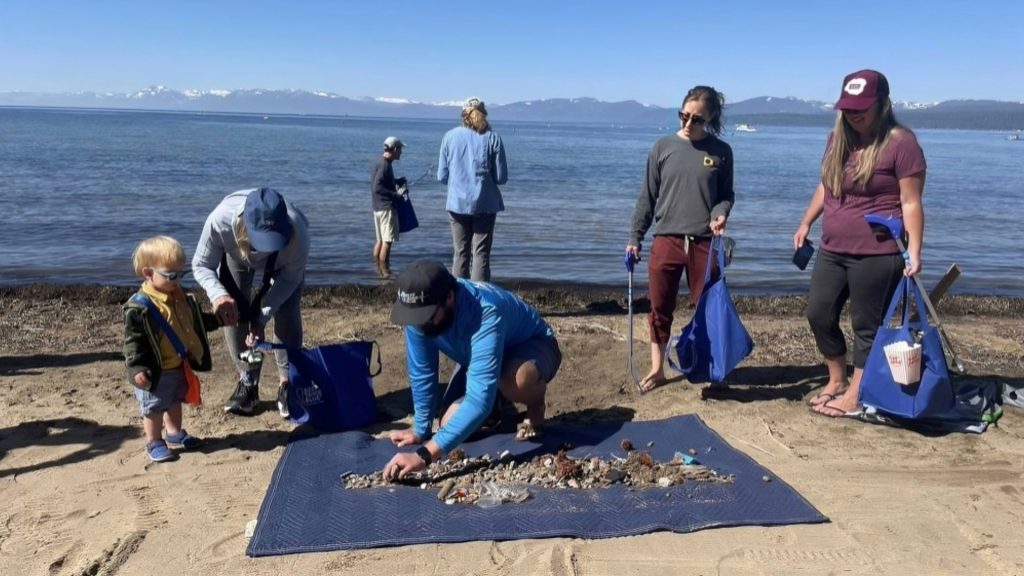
{"x":862,"y":89}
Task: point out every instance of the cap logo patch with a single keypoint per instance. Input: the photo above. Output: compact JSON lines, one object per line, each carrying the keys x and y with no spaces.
{"x":412,"y":297}
{"x":855,"y":86}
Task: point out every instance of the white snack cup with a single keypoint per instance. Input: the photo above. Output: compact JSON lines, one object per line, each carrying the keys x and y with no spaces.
{"x":904,"y":362}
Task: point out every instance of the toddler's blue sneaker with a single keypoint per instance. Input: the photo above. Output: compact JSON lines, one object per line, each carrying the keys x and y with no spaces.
{"x":159,"y":452}
{"x":183,"y":440}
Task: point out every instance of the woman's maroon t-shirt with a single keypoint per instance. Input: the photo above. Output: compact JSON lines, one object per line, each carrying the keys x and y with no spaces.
{"x":843,"y":228}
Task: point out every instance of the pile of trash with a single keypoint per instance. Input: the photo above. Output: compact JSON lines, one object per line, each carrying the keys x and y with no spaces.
{"x":460,"y":479}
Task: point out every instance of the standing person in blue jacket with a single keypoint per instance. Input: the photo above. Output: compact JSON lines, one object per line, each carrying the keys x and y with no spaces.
{"x":472,"y":164}
{"x":505,"y":345}
{"x":250,"y":231}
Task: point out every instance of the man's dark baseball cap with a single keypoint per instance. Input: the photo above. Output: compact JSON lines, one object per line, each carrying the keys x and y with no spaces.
{"x":862,"y":89}
{"x":422,"y":287}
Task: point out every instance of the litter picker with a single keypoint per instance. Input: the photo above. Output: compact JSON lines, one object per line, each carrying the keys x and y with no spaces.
{"x":631,"y":260}
{"x":894,"y":226}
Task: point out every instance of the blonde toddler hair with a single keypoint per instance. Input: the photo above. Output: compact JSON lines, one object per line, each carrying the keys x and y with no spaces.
{"x":158,"y":252}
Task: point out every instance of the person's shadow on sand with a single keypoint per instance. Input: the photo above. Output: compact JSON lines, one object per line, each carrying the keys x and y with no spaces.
{"x":14,"y":365}
{"x":98,"y":439}
{"x":766,"y":383}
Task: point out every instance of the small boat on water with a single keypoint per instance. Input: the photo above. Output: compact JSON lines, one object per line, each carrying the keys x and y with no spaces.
{"x":745,"y":128}
{"x":1014,"y":137}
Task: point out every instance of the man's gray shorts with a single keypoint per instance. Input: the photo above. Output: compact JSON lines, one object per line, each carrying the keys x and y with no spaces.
{"x":168,"y":391}
{"x":542,"y":351}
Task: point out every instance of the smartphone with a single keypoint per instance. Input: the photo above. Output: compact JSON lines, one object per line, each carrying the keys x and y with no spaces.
{"x":803,"y":254}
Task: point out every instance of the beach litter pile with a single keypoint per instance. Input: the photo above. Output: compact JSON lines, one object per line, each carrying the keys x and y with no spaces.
{"x":489,"y":481}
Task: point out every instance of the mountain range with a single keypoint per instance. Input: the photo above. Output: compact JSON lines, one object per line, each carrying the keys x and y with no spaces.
{"x":964,"y":114}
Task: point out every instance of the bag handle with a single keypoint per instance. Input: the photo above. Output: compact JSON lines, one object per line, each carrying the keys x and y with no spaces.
{"x":717,"y":247}
{"x":904,"y":291}
{"x":154,"y":312}
{"x":267,"y":346}
{"x":380,"y":366}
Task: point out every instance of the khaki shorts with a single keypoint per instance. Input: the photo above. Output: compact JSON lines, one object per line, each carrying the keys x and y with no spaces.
{"x":385,"y":223}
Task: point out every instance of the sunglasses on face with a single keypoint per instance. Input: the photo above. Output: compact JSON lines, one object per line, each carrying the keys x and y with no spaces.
{"x":172,"y":276}
{"x":688,"y":118}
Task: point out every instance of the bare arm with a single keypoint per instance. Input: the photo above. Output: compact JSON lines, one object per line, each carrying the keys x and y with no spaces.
{"x":911,"y":189}
{"x":814,"y":209}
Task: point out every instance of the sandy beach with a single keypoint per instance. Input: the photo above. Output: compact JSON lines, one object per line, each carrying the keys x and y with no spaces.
{"x":81,"y":498}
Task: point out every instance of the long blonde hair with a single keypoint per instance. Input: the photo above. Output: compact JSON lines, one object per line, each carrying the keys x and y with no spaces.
{"x":475,"y":120}
{"x":844,"y":141}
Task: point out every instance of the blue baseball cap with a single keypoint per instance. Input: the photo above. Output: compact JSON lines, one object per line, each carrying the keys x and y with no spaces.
{"x":266,"y":220}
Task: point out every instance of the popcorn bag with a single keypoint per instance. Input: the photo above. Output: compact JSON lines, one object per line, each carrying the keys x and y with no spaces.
{"x":904,"y":362}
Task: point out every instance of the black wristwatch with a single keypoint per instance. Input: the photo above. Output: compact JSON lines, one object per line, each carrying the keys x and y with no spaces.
{"x":424,"y":455}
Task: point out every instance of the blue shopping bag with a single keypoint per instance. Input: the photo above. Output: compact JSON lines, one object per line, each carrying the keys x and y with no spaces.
{"x":933,"y":394}
{"x":714,"y":341}
{"x":407,"y":220}
{"x":330,"y":386}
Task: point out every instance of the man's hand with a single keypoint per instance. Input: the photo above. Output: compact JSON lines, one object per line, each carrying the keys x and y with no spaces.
{"x":226,"y":310}
{"x":404,"y":438}
{"x":403,"y":464}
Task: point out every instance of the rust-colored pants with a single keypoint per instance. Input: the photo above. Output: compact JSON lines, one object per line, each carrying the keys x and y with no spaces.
{"x":670,"y":257}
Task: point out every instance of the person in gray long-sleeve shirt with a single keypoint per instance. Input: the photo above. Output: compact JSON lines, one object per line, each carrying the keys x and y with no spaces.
{"x":687,"y":194}
{"x":250,"y":231}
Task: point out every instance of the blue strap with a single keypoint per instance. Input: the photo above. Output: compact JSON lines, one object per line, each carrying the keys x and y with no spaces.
{"x":717,"y":247}
{"x":155,"y":313}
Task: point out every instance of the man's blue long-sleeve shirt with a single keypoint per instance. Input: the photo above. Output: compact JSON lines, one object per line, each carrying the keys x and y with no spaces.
{"x":488,"y":320}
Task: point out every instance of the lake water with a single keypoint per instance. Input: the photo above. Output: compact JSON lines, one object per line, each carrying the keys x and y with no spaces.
{"x":78,"y":190}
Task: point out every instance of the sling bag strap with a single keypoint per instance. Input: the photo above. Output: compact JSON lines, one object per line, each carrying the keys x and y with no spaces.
{"x":154,"y":312}
{"x":251,"y":312}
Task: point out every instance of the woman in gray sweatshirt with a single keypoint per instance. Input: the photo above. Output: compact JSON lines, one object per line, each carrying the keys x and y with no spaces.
{"x":687,"y":195}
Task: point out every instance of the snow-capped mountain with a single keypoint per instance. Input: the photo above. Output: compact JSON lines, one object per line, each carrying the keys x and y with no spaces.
{"x":977,"y":114}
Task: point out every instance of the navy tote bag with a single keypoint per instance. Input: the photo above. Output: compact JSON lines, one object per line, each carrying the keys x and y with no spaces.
{"x":330,"y":386}
{"x":933,"y":394}
{"x":714,"y":341}
{"x":407,"y":220}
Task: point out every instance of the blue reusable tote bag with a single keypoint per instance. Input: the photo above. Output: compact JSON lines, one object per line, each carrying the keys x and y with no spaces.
{"x":933,"y":394}
{"x":330,"y":386}
{"x":407,"y":220}
{"x":714,"y":341}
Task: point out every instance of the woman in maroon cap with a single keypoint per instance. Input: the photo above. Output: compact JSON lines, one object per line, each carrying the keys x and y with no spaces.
{"x":872,"y":165}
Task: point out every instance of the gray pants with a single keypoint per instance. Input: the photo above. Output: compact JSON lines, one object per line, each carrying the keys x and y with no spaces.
{"x":287,"y":326}
{"x":472,"y":236}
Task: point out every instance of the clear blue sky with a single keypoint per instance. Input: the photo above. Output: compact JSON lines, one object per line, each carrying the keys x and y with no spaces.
{"x":515,"y":49}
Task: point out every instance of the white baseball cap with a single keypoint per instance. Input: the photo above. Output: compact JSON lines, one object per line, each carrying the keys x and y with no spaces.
{"x":391,"y":143}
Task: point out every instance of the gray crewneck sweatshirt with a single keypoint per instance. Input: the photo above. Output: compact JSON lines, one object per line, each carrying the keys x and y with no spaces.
{"x":688,"y":184}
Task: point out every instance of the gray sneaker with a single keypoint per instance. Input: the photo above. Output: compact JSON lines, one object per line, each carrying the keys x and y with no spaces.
{"x":282,"y":401}
{"x":243,"y":401}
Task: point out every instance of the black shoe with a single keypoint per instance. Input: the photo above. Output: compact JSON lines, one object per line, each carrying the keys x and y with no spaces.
{"x":244,"y":400}
{"x":282,"y":401}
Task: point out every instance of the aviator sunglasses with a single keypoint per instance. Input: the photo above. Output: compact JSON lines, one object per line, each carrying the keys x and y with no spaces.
{"x":687,"y":118}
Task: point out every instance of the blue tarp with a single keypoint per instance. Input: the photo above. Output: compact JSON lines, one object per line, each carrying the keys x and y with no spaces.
{"x":307,"y":508}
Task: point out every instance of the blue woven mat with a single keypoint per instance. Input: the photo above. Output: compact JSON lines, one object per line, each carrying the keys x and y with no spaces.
{"x":307,"y":509}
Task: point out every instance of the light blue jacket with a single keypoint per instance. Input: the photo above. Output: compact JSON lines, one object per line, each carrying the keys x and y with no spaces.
{"x":472,"y":165}
{"x":488,"y":320}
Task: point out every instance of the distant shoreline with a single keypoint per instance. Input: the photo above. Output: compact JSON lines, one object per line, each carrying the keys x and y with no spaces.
{"x":969,"y":119}
{"x":558,"y":298}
